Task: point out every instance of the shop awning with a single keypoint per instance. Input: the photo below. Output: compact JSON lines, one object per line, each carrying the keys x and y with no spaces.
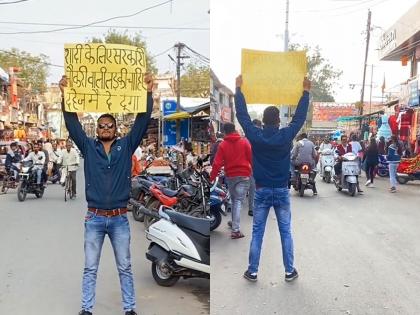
{"x":176,"y":116}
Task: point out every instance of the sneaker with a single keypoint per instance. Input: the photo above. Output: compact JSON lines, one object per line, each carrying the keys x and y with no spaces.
{"x":393,"y":190}
{"x":236,"y":235}
{"x":367,"y":182}
{"x":130,"y":313}
{"x":83,"y":312}
{"x":371,"y":186}
{"x":250,"y":213}
{"x":250,"y":276}
{"x":291,"y":276}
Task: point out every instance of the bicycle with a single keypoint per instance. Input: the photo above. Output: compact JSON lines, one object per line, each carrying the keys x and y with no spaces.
{"x":68,"y":186}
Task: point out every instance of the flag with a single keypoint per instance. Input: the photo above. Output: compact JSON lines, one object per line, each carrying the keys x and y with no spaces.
{"x":383,"y":85}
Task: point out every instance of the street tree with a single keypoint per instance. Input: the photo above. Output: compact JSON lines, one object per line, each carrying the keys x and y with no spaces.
{"x":34,"y":69}
{"x":115,"y":37}
{"x":323,"y":75}
{"x":195,"y":81}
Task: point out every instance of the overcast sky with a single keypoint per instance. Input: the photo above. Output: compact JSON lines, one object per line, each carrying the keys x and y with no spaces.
{"x":335,"y":25}
{"x":182,"y":13}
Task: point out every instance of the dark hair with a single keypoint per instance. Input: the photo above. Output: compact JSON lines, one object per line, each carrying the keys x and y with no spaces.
{"x":303,"y":135}
{"x":108,"y":116}
{"x":394,"y":138}
{"x":271,"y":116}
{"x":354,"y":137}
{"x":342,"y":136}
{"x":13,"y":144}
{"x":39,"y":142}
{"x":228,"y":128}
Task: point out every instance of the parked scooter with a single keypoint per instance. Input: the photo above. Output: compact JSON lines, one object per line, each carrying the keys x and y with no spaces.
{"x":180,"y":246}
{"x":304,"y":179}
{"x":382,"y":169}
{"x":350,"y":171}
{"x":326,"y":165}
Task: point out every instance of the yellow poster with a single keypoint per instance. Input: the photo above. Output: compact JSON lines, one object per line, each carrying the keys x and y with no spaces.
{"x":273,"y":77}
{"x":105,"y":78}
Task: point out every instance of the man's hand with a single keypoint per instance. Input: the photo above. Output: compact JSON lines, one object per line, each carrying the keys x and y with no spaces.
{"x":306,"y":84}
{"x":148,"y":80}
{"x":63,"y":83}
{"x":239,"y":81}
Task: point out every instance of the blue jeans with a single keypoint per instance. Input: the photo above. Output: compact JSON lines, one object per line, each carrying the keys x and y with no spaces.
{"x":265,"y":198}
{"x":118,"y":230}
{"x":238,"y":187}
{"x":38,"y":172}
{"x":393,"y":174}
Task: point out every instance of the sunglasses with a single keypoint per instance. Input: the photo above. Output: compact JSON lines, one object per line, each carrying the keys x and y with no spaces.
{"x":108,"y":126}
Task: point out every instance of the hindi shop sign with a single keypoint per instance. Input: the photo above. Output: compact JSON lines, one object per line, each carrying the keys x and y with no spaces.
{"x":273,"y":77}
{"x":105,"y":78}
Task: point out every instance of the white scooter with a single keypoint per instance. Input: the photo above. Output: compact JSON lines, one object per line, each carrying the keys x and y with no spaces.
{"x":350,"y":171}
{"x":326,"y":165}
{"x":180,"y":246}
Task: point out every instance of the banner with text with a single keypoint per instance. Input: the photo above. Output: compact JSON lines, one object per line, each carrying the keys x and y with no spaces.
{"x":273,"y":77}
{"x":105,"y":78}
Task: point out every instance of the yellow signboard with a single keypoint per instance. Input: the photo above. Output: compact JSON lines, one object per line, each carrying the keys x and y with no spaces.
{"x":105,"y":78}
{"x":273,"y":77}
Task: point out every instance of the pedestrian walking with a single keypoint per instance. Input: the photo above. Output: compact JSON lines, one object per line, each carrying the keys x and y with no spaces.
{"x":107,"y":164}
{"x":371,"y":160}
{"x":271,"y":148}
{"x":234,"y":154}
{"x":393,"y":160}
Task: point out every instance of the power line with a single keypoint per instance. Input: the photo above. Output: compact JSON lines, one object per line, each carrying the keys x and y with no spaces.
{"x":198,"y":54}
{"x":110,"y":26}
{"x":163,"y":52}
{"x":89,"y":24}
{"x":31,"y":58}
{"x":12,"y":2}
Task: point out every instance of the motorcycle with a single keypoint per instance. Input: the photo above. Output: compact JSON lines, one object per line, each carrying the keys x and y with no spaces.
{"x":382,"y":169}
{"x":27,"y":183}
{"x":304,"y":179}
{"x":326,"y":165}
{"x":408,"y":170}
{"x":350,"y":171}
{"x":217,"y":205}
{"x":10,"y":181}
{"x":56,"y":173}
{"x":180,"y":246}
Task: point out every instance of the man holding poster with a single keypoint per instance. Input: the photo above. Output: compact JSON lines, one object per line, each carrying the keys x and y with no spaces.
{"x":271,"y":148}
{"x":107,"y":167}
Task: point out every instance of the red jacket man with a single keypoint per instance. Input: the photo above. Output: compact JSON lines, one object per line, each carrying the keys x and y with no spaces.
{"x":234,"y":153}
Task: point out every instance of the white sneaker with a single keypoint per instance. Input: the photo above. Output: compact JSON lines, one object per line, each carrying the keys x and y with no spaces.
{"x":367,"y":182}
{"x":371,"y":186}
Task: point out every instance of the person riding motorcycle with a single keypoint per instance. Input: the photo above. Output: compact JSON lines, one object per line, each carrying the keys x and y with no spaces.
{"x":343,"y":148}
{"x":326,"y":145}
{"x":13,"y":159}
{"x":38,"y":158}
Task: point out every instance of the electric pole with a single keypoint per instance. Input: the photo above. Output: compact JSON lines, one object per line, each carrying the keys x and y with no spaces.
{"x":179,"y":57}
{"x":364,"y":66}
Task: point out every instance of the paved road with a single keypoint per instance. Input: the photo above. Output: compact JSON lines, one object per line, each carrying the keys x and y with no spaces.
{"x":355,"y":256}
{"x":41,"y":263}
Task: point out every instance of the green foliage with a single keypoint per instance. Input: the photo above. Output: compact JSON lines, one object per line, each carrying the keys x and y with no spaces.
{"x":115,"y":37}
{"x":195,"y":82}
{"x":323,"y":75}
{"x":34,"y":70}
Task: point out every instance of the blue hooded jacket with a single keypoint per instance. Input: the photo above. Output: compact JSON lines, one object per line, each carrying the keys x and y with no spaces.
{"x":271,"y":146}
{"x":108,"y":182}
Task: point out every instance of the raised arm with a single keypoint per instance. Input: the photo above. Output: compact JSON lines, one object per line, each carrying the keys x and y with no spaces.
{"x":242,"y":114}
{"x":72,"y":121}
{"x":139,"y":128}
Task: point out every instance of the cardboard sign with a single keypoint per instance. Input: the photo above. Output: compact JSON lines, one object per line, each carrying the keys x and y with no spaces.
{"x":105,"y":78}
{"x":273,"y":77}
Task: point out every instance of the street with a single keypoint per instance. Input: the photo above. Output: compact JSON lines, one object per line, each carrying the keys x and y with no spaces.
{"x":355,"y":255}
{"x":42,"y":258}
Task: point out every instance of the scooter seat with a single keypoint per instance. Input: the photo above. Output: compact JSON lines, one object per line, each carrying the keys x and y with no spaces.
{"x":169,"y":192}
{"x":199,"y":225}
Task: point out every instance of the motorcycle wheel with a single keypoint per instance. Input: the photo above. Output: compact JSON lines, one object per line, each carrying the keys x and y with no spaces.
{"x":137,"y":215}
{"x":153,"y":204}
{"x":215,"y":217}
{"x":328,"y":178}
{"x":21,"y":192}
{"x":352,"y":189}
{"x":40,"y":193}
{"x":162,"y":276}
{"x":402,"y":180}
{"x":383,"y":173}
{"x":301,"y":190}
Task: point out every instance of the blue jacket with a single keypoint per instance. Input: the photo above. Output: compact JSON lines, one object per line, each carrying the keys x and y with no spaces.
{"x":271,"y":146}
{"x":107,"y":183}
{"x":393,"y":156}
